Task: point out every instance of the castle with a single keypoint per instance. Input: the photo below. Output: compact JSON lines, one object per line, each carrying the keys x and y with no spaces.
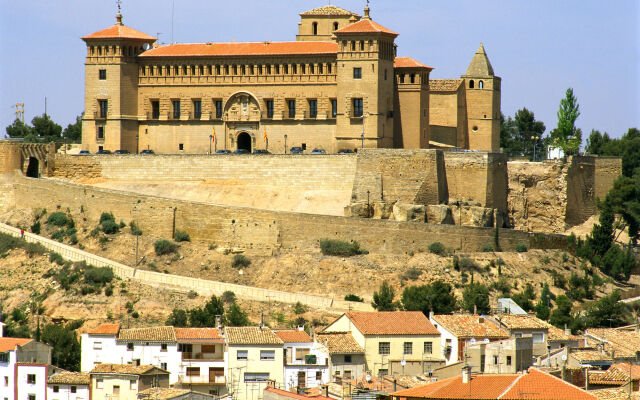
{"x":338,"y":86}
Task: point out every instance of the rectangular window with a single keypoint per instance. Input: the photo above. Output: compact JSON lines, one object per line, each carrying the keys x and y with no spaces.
{"x":102,"y":74}
{"x":130,"y":346}
{"x":538,"y":337}
{"x":155,"y":109}
{"x":4,"y":357}
{"x":243,"y":355}
{"x":103,"y":105}
{"x":357,"y":73}
{"x":357,"y":108}
{"x":176,"y":108}
{"x":6,"y":381}
{"x":256,"y":376}
{"x":269,"y":104}
{"x":347,"y":374}
{"x":334,"y":108}
{"x":197,"y":109}
{"x":31,"y":379}
{"x":217,"y":70}
{"x":495,"y":360}
{"x":100,"y":137}
{"x":208,"y":348}
{"x":384,"y":348}
{"x":56,"y":389}
{"x":98,"y":345}
{"x":74,"y":389}
{"x":180,"y":147}
{"x":508,"y":360}
{"x":193,"y":371}
{"x":31,"y":397}
{"x":313,"y":108}
{"x":428,"y":347}
{"x":301,"y":354}
{"x":347,"y":358}
{"x":218,"y":108}
{"x":99,"y":383}
{"x":163,"y":366}
{"x":382,"y":372}
{"x":267,"y":354}
{"x":163,"y":347}
{"x":292,"y":108}
{"x":116,"y":390}
{"x":407,"y":348}
{"x":318,"y":375}
{"x":133,"y":384}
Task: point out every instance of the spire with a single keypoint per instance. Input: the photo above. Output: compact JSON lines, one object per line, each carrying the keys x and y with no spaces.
{"x":119,"y":14}
{"x":480,"y":65}
{"x":366,"y":11}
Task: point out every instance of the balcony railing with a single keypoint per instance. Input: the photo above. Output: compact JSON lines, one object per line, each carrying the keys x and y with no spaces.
{"x":203,"y":380}
{"x":202,"y":356}
{"x":99,"y":115}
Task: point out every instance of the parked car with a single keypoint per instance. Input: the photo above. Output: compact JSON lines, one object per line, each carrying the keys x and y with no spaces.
{"x":121,"y":152}
{"x":318,"y":151}
{"x":84,"y":153}
{"x":241,"y":151}
{"x":103,"y":151}
{"x":147,"y":152}
{"x":222,"y":152}
{"x":261,"y":151}
{"x":345,"y":151}
{"x":296,"y":150}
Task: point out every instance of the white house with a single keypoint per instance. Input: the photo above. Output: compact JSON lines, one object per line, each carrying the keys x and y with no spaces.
{"x":24,"y":368}
{"x":65,"y":385}
{"x":306,"y":363}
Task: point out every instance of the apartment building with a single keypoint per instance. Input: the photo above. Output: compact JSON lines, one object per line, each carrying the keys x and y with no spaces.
{"x":125,"y":381}
{"x":25,"y":365}
{"x":306,"y":363}
{"x":65,"y":385}
{"x":346,"y":357}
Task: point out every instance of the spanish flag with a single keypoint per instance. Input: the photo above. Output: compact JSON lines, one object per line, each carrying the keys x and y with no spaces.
{"x":213,"y":135}
{"x":265,"y":134}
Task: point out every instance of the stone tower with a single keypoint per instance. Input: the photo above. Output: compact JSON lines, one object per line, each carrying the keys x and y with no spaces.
{"x":320,"y":23}
{"x":111,"y":84}
{"x":365,"y":81}
{"x":411,"y":111}
{"x":483,"y":103}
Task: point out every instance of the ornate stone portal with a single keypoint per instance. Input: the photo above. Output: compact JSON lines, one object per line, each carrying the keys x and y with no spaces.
{"x":242,"y":118}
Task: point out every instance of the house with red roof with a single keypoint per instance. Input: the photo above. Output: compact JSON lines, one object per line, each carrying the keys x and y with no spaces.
{"x":25,"y":365}
{"x":306,"y":363}
{"x":395,"y":342}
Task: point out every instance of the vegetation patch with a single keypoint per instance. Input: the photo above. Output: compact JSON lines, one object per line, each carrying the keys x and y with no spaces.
{"x":164,"y":246}
{"x":333,"y":247}
{"x":181,"y":236}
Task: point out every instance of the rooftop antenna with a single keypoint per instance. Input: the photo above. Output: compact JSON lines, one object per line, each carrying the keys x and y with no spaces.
{"x":173,"y":5}
{"x":119,"y":14}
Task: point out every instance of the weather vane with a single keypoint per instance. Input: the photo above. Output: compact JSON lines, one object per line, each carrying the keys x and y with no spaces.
{"x":119,"y":3}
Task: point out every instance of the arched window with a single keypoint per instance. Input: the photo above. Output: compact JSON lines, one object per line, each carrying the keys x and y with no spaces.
{"x":413,"y":78}
{"x":471,"y":84}
{"x":335,"y":26}
{"x":401,"y":78}
{"x":480,"y":84}
{"x":99,"y":50}
{"x":315,"y":28}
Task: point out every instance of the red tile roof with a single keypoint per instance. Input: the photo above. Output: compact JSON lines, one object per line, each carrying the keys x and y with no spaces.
{"x":617,"y":374}
{"x":408,"y":62}
{"x":106,"y":329}
{"x":150,"y":334}
{"x":392,"y":323}
{"x":535,"y":385}
{"x":329,"y":10}
{"x":294,"y":395}
{"x":339,"y":343}
{"x":469,"y":326}
{"x":9,"y":344}
{"x":119,"y":32}
{"x":366,"y":26}
{"x":127,"y":369}
{"x":242,"y":49}
{"x":294,"y":336}
{"x":203,"y":335}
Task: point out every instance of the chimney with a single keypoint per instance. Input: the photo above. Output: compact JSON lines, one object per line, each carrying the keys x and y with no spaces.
{"x":219,"y":322}
{"x":465,"y":375}
{"x":567,"y":331}
{"x":395,"y":385}
{"x":431,"y":315}
{"x":325,"y":390}
{"x":475,"y":309}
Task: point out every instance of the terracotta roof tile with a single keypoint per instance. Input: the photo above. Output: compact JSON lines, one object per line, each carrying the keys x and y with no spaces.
{"x":392,"y":323}
{"x":617,"y":374}
{"x":512,"y":321}
{"x":538,"y":385}
{"x":242,"y":49}
{"x":339,"y":343}
{"x":105,"y":329}
{"x":366,"y":26}
{"x":70,"y":378}
{"x":251,"y":335}
{"x":469,"y":326}
{"x":9,"y":344}
{"x":625,"y":343}
{"x":586,"y":355}
{"x":293,"y":336}
{"x":151,"y":334}
{"x":329,"y":10}
{"x":615,"y":394}
{"x":408,"y":62}
{"x":557,"y":334}
{"x":124,"y":369}
{"x":204,"y":335}
{"x":119,"y":32}
{"x":292,"y":395}
{"x":444,"y":85}
{"x":162,"y":393}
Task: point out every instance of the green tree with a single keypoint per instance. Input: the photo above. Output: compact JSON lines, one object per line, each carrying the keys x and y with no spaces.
{"x":45,"y":130}
{"x":177,"y":318}
{"x":18,"y":130}
{"x":383,"y":298}
{"x":566,"y":135}
{"x":73,"y":132}
{"x":597,"y":143}
{"x":437,"y":297}
{"x":609,"y":311}
{"x":475,"y":298}
{"x":516,"y":134}
{"x":562,"y":316}
{"x":236,"y":317}
{"x":66,"y":347}
{"x":525,"y":298}
{"x":206,"y":316}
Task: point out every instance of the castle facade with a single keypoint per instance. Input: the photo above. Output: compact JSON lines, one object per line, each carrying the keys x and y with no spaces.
{"x":339,"y":86}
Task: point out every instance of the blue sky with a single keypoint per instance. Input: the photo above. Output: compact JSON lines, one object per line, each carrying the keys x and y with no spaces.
{"x":539,"y":48}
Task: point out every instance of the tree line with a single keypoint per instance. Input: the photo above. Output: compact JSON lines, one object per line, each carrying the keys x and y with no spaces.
{"x":44,"y":130}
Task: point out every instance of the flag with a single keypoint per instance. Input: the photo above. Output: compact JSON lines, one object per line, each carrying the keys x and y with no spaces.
{"x":213,"y":135}
{"x":265,"y":134}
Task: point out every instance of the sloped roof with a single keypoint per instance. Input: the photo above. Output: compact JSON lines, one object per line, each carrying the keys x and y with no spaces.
{"x":329,"y":10}
{"x":557,"y":334}
{"x":293,"y":336}
{"x":70,"y":378}
{"x":366,"y":26}
{"x":151,"y":334}
{"x":617,"y":374}
{"x":512,"y":321}
{"x":392,"y":323}
{"x":9,"y":344}
{"x":480,"y":65}
{"x":242,"y":49}
{"x":408,"y":62}
{"x":535,"y":385}
{"x":615,"y":394}
{"x":201,"y":335}
{"x":163,"y":393}
{"x":118,"y":31}
{"x":251,"y":335}
{"x":586,"y":355}
{"x":339,"y":343}
{"x":444,"y":85}
{"x":105,"y":329}
{"x":625,"y":343}
{"x":127,"y":369}
{"x":291,"y":395}
{"x":469,"y":326}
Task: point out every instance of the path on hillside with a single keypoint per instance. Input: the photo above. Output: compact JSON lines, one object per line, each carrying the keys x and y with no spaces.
{"x":202,"y":286}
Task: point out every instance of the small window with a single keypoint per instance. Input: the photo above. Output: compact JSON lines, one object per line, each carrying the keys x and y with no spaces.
{"x":412,"y":78}
{"x":347,"y":359}
{"x":155,"y":109}
{"x":480,"y":84}
{"x":384,"y":348}
{"x":335,"y":26}
{"x":99,"y":383}
{"x":357,"y":108}
{"x":256,"y":376}
{"x":31,"y":379}
{"x":197,"y":112}
{"x":100,"y":137}
{"x":193,"y":371}
{"x":103,"y":105}
{"x":269,"y":104}
{"x":74,"y":389}
{"x":495,"y":360}
{"x":301,"y":354}
{"x":347,"y":374}
{"x":217,"y":70}
{"x":334,"y":108}
{"x":32,"y":397}
{"x":401,"y":78}
{"x":357,"y":73}
{"x":218,"y":108}
{"x":180,"y":147}
{"x":508,"y":360}
{"x":130,"y":346}
{"x":6,"y":379}
{"x":313,"y":108}
{"x":102,"y":74}
{"x":267,"y":355}
{"x":407,"y":348}
{"x":163,"y":365}
{"x":176,"y":109}
{"x":318,"y":375}
{"x":385,"y":74}
{"x":362,"y":45}
{"x":56,"y":389}
{"x":538,"y":337}
{"x":353,"y":45}
{"x":292,"y":108}
{"x":382,"y":372}
{"x":471,"y":84}
{"x":428,"y":348}
{"x":243,"y":355}
{"x":133,"y":384}
{"x":314,"y":28}
{"x":135,"y":362}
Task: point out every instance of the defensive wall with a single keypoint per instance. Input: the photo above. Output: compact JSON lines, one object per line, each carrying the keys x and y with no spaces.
{"x":33,"y":159}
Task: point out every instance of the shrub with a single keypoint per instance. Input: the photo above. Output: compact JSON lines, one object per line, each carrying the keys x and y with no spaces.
{"x":103,"y":240}
{"x":192,"y":294}
{"x":467,"y":263}
{"x":129,"y":306}
{"x":58,"y":235}
{"x":353,"y":297}
{"x":521,"y":248}
{"x":487,"y":248}
{"x":411,"y":274}
{"x":109,"y":227}
{"x":57,"y":218}
{"x":135,"y":230}
{"x":73,"y":239}
{"x":135,"y":314}
{"x":35,"y":228}
{"x":545,"y":260}
{"x":98,"y":275}
{"x":299,"y":308}
{"x":180,"y":236}
{"x":55,"y":257}
{"x":333,"y":247}
{"x":437,"y":248}
{"x":87,"y":289}
{"x":240,"y":261}
{"x":122,"y":224}
{"x":164,"y":246}
{"x":105,"y":216}
{"x":70,"y":231}
{"x":108,"y":291}
{"x":229,"y":297}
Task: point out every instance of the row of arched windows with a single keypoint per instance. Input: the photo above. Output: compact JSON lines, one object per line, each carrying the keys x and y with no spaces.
{"x":238,"y":70}
{"x":113,"y":50}
{"x":472,"y":84}
{"x":314,"y":27}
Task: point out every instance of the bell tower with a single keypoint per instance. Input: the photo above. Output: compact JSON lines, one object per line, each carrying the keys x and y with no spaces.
{"x":110,"y":119}
{"x":482,"y":90}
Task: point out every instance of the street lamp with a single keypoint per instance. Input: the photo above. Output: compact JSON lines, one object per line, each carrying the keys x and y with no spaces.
{"x":534,"y":139}
{"x":210,"y":140}
{"x":285,"y":143}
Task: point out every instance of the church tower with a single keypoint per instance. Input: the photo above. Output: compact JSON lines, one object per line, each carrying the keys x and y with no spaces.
{"x":365,"y":85}
{"x":110,"y":119}
{"x":482,"y":89}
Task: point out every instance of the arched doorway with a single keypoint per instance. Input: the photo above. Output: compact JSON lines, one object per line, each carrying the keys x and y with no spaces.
{"x":244,"y":141}
{"x":33,"y":168}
